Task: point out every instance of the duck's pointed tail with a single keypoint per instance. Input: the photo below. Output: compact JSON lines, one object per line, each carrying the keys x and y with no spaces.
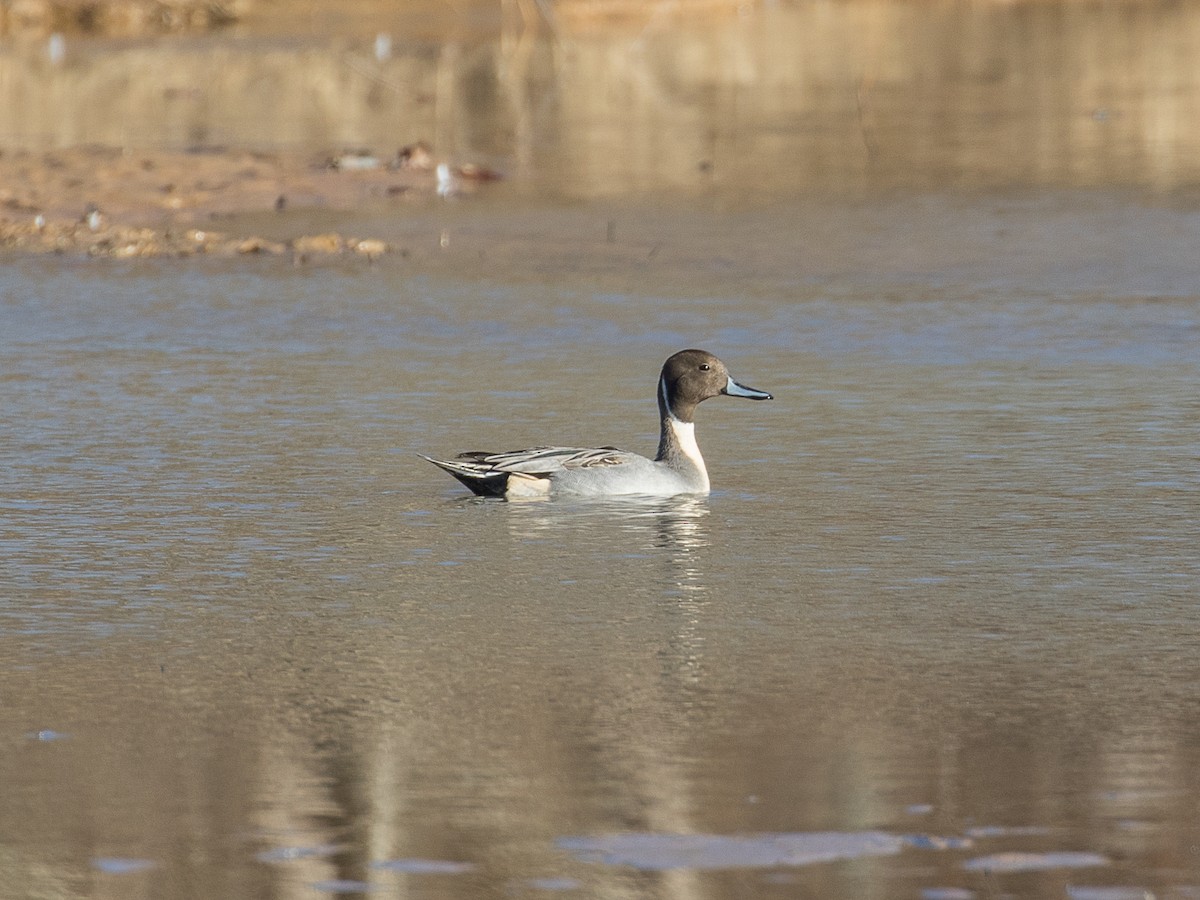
{"x":480,"y":478}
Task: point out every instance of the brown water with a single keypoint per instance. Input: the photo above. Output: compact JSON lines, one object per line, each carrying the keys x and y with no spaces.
{"x":934,"y":632}
{"x":946,"y":580}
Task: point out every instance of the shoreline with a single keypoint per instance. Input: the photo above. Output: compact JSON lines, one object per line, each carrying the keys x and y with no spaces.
{"x":110,"y":202}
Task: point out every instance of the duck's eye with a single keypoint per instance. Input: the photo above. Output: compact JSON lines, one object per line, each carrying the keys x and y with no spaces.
{"x":704,"y":367}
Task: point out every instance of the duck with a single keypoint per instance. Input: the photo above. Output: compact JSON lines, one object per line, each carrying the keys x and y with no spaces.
{"x":688,"y":378}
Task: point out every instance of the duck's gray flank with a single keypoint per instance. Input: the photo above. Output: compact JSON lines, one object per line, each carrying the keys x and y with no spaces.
{"x":688,"y":378}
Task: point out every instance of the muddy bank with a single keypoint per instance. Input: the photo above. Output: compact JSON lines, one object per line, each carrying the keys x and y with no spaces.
{"x":110,"y":202}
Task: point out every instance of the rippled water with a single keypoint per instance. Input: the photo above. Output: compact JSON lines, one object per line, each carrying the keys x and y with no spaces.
{"x":935,"y":631}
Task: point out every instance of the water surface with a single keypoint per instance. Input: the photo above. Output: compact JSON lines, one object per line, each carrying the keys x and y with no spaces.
{"x":933,"y":632}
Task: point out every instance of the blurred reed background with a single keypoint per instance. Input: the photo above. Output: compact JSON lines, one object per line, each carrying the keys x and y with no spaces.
{"x":600,"y":97}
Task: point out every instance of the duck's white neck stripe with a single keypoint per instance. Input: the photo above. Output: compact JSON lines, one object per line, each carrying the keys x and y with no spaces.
{"x":685,"y":443}
{"x":678,"y":447}
{"x":685,"y":439}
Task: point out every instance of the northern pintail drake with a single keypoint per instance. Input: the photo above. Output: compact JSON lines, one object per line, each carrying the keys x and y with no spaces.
{"x":688,"y":378}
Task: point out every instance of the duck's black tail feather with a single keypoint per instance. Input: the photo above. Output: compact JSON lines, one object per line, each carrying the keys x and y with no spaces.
{"x":480,"y":478}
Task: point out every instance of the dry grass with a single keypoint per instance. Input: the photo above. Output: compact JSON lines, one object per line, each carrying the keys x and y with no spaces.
{"x":116,"y":17}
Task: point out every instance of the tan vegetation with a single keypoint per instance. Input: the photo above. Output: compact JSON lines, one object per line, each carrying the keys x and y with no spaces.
{"x":117,"y":17}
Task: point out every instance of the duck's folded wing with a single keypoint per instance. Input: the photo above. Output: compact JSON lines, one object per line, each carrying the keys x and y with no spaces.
{"x":545,"y":461}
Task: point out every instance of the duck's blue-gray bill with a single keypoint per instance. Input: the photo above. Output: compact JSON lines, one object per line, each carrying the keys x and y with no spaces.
{"x":733,"y":389}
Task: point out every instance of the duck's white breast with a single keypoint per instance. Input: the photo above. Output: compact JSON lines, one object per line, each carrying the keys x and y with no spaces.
{"x":636,"y":476}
